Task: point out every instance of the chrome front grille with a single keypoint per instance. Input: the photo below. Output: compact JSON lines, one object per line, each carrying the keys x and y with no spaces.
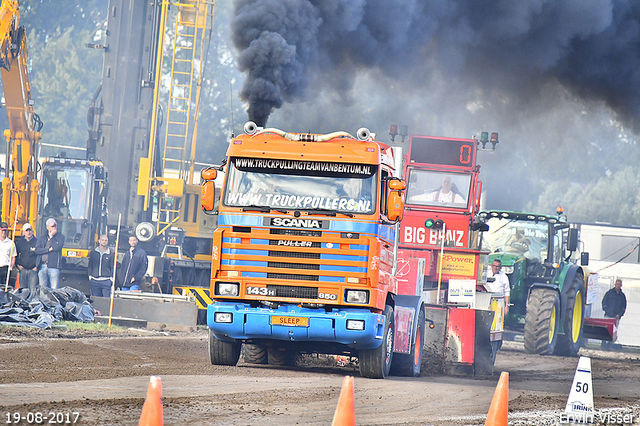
{"x":299,"y":232}
{"x":267,"y":255}
{"x":294,"y":291}
{"x":293,"y":277}
{"x":285,"y":265}
{"x":294,"y":254}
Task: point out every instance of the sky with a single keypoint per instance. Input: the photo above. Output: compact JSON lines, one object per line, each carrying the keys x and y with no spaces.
{"x":556,"y":79}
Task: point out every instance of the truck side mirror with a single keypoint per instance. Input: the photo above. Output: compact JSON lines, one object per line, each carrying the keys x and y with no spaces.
{"x":207,"y":196}
{"x":584,"y":259}
{"x":395,"y":200}
{"x":208,"y":189}
{"x":395,"y":203}
{"x":208,"y":174}
{"x":480,"y":226}
{"x":397,"y":184}
{"x":572,"y":242}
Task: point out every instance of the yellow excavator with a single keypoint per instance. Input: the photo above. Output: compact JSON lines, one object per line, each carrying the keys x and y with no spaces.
{"x":142,"y":127}
{"x":19,"y":186}
{"x":70,"y":190}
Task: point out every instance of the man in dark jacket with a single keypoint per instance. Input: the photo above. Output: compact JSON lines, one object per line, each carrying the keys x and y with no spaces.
{"x":134,"y":266}
{"x":49,"y":251}
{"x":27,"y":258}
{"x":100,"y":268}
{"x":614,"y":304}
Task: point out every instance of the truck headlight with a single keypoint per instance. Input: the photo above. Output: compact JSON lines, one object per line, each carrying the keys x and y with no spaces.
{"x":226,"y":317}
{"x":227,"y":289}
{"x":355,"y":325}
{"x":508,"y":269}
{"x":357,"y":296}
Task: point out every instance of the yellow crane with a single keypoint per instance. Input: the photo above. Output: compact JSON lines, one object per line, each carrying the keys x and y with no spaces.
{"x":174,"y":180}
{"x":144,"y":128}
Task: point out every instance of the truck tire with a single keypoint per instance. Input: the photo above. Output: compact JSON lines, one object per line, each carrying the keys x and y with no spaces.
{"x":282,"y":357}
{"x":570,"y":342}
{"x":542,"y":321}
{"x":409,"y":364}
{"x":376,"y":363}
{"x":222,"y":352}
{"x":255,"y":354}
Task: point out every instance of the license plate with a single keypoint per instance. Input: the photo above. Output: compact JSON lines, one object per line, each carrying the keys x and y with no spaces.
{"x":290,"y":321}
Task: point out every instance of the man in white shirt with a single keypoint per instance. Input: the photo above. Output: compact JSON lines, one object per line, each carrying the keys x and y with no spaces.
{"x":7,"y":253}
{"x":501,"y":283}
{"x":443,"y":195}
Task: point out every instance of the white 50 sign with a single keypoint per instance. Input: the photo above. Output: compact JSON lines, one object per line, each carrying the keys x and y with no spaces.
{"x":420,"y":235}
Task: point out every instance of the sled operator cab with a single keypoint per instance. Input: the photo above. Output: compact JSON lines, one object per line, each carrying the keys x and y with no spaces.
{"x":439,"y":252}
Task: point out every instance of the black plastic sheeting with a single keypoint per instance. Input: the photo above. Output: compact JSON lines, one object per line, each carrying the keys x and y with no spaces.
{"x":44,"y":307}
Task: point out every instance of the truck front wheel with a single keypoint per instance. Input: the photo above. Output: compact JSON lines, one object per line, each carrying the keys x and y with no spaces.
{"x":542,"y":321}
{"x":222,"y":352}
{"x":376,"y":363}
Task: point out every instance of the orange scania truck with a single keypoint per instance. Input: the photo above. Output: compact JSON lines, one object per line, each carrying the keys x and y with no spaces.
{"x":305,"y":252}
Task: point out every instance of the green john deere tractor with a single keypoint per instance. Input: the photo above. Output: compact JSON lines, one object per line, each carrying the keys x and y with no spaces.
{"x":548,"y":286}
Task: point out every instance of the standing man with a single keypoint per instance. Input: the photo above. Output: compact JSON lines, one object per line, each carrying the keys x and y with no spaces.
{"x":501,"y":283}
{"x":614,"y":304}
{"x":134,"y":266}
{"x":49,"y":251}
{"x":100,"y":268}
{"x":27,"y":258}
{"x":7,"y":254}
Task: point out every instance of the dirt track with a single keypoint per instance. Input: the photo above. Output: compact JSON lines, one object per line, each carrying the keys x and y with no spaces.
{"x":104,"y":377}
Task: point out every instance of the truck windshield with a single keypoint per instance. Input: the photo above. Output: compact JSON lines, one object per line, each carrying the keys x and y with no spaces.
{"x":432,"y":188}
{"x":526,"y":238}
{"x":301,"y":185}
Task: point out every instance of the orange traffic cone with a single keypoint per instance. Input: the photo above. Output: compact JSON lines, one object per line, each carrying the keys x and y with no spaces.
{"x":152,"y":408}
{"x":17,"y":284}
{"x":345,"y":414}
{"x":499,"y":410}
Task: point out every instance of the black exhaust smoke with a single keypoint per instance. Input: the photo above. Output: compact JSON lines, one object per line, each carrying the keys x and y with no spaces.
{"x":591,"y":47}
{"x":277,"y":42}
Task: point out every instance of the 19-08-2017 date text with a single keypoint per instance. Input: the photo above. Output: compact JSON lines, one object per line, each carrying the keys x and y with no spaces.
{"x":36,"y":417}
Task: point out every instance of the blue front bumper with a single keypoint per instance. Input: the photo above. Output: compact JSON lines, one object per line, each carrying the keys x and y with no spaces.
{"x":255,"y":323}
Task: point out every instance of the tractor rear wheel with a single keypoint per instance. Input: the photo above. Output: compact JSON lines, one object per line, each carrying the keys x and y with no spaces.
{"x":255,"y":354}
{"x":542,"y":321}
{"x":570,"y":342}
{"x":222,"y":352}
{"x":376,"y":363}
{"x":409,"y":364}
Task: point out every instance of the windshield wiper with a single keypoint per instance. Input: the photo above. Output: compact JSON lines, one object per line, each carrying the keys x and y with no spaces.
{"x":261,"y":209}
{"x":267,"y":209}
{"x":325,"y":212}
{"x":346,"y":214}
{"x":318,"y":211}
{"x":510,"y":220}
